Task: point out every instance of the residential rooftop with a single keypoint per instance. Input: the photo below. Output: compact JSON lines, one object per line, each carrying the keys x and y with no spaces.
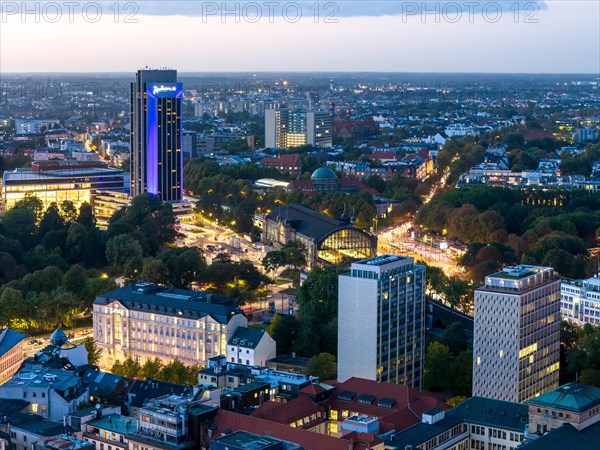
{"x":250,"y":441}
{"x":115,"y":423}
{"x":572,"y":397}
{"x":247,"y":337}
{"x":492,"y":413}
{"x":8,"y":339}
{"x":421,"y":432}
{"x":568,"y":437}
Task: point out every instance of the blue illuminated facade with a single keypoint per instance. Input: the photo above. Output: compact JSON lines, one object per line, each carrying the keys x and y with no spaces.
{"x":157,"y":135}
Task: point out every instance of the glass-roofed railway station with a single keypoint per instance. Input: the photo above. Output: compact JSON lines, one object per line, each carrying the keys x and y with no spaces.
{"x":328,"y":240}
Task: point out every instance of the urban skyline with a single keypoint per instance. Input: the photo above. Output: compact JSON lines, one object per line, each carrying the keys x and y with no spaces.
{"x":543,"y":26}
{"x":218,"y":242}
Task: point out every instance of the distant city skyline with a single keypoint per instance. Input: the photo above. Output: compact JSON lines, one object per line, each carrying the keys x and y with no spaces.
{"x":393,"y":37}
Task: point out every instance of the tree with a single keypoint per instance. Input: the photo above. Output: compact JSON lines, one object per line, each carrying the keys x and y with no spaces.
{"x":318,"y":296}
{"x":94,"y":353}
{"x":151,"y":368}
{"x":273,"y":260}
{"x":183,"y":265}
{"x":75,"y":279}
{"x":295,"y":254}
{"x":284,"y":330}
{"x":20,"y":224}
{"x":437,"y":361}
{"x":8,"y":268}
{"x":124,"y":253}
{"x":462,"y":374}
{"x":178,"y":373}
{"x":323,"y":366}
{"x":76,"y":243}
{"x":155,"y":271}
{"x":45,"y":280}
{"x":129,"y":368}
{"x":454,"y":338}
{"x":308,"y":342}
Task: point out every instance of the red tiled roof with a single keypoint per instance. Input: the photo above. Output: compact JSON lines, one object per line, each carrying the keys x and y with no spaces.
{"x":535,"y":134}
{"x":287,"y":412}
{"x":291,"y":159}
{"x":312,"y":389}
{"x":382,"y":155}
{"x":308,"y":439}
{"x":423,"y":153}
{"x":273,"y":418}
{"x":300,"y":184}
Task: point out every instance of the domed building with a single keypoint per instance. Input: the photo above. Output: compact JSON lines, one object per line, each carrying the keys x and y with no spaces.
{"x":324,"y":179}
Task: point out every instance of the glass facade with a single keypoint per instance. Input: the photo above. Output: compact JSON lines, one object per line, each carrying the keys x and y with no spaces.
{"x":346,"y":244}
{"x":401,"y":325}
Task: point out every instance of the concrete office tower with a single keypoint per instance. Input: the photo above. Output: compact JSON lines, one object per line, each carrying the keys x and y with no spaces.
{"x":157,"y":135}
{"x":517,"y":334}
{"x":381,"y":321}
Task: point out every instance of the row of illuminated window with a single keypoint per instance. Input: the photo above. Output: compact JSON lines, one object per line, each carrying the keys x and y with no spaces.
{"x":45,"y":187}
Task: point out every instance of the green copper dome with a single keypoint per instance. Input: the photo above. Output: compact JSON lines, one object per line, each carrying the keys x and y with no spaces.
{"x":323,"y":173}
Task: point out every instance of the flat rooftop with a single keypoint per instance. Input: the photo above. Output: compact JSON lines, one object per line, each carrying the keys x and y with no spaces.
{"x":519,"y":278}
{"x":250,"y":441}
{"x":115,"y":423}
{"x":382,"y":260}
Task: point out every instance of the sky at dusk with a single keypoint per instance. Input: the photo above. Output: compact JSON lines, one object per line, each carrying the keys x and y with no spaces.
{"x":378,"y":36}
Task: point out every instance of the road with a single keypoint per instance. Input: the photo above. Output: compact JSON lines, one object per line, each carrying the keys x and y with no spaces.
{"x":400,"y":242}
{"x":441,"y":253}
{"x":30,"y":348}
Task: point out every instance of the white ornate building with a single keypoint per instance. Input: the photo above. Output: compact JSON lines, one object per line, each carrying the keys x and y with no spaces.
{"x":144,"y":321}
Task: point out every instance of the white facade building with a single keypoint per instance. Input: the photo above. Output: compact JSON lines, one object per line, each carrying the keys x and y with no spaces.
{"x":580,"y":301}
{"x":381,"y":321}
{"x":144,"y":321}
{"x":32,"y":126}
{"x":458,"y":130}
{"x":517,"y":334}
{"x":251,"y":347}
{"x":51,"y":393}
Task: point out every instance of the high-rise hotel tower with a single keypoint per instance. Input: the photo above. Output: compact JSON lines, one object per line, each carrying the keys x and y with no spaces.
{"x":157,"y":135}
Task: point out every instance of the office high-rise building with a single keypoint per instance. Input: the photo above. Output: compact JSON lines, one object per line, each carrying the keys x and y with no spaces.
{"x":288,"y":128}
{"x":381,"y":321}
{"x":276,"y":127}
{"x":517,"y":334}
{"x":157,"y":135}
{"x":319,"y":126}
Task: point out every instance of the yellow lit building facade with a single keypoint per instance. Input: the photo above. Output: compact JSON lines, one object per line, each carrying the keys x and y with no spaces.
{"x":145,"y":321}
{"x":57,"y":186}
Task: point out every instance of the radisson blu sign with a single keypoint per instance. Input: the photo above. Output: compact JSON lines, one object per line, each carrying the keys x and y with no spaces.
{"x":155,"y":91}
